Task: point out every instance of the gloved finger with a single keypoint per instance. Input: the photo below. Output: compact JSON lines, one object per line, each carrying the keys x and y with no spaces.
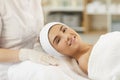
{"x":50,"y":60}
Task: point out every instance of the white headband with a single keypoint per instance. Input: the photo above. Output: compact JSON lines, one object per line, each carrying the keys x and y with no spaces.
{"x":45,"y":43}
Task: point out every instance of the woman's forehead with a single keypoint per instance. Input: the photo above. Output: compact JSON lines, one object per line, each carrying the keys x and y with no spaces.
{"x":55,"y":27}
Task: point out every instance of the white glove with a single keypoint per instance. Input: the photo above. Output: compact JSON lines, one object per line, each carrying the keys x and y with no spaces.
{"x":36,"y":56}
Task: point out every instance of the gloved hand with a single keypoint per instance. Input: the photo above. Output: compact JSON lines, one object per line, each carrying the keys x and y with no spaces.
{"x":38,"y":57}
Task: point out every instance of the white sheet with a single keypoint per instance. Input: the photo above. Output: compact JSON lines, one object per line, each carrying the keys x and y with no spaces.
{"x":3,"y":70}
{"x":31,"y":71}
{"x":104,"y":62}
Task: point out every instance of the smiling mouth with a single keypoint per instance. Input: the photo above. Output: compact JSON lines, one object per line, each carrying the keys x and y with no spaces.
{"x":72,"y":40}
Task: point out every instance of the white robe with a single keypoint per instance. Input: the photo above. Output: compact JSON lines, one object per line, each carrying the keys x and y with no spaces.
{"x":68,"y":69}
{"x":104,"y":61}
{"x":20,"y":23}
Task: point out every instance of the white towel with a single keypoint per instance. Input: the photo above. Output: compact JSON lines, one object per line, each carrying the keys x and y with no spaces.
{"x":31,"y":71}
{"x":104,"y":62}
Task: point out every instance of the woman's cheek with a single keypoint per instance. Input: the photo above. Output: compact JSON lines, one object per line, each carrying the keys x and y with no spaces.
{"x":62,"y":47}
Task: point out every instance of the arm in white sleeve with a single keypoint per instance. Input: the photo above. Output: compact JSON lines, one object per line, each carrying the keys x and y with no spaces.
{"x":0,"y":26}
{"x":1,"y":8}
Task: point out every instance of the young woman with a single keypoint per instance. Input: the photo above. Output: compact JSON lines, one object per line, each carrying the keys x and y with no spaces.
{"x":99,"y":61}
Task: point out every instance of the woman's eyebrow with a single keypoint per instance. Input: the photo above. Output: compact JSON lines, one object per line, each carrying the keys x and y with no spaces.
{"x":61,"y":27}
{"x":54,"y":39}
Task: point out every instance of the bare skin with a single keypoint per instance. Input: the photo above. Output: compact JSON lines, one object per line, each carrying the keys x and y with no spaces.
{"x":7,"y":55}
{"x":66,"y":41}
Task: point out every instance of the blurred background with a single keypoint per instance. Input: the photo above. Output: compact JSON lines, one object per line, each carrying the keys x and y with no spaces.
{"x":90,"y":18}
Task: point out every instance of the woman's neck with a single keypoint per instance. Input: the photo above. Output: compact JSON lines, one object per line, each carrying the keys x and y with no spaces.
{"x":83,"y":57}
{"x":84,"y":48}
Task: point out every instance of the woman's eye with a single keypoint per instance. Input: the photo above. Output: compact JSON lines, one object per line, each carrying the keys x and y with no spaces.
{"x":57,"y":41}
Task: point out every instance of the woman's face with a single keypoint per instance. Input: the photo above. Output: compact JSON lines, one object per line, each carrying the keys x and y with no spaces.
{"x":64,"y":39}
